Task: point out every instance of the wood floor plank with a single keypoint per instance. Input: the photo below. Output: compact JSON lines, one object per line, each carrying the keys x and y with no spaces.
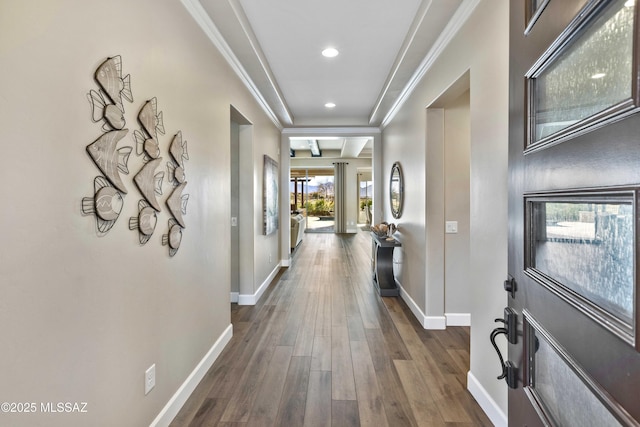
{"x":370,"y":405}
{"x":422,"y":403}
{"x":209,"y":413}
{"x":265,"y":409}
{"x":304,"y":340}
{"x":294,"y":394}
{"x":321,"y":354}
{"x":342,"y":383}
{"x":323,"y":317}
{"x":396,"y":405}
{"x":344,"y":413}
{"x":318,"y":406}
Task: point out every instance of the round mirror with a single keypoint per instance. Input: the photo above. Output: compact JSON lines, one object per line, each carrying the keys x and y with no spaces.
{"x":396,"y":188}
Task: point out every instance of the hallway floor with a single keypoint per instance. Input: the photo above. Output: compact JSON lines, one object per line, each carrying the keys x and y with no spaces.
{"x":321,"y":348}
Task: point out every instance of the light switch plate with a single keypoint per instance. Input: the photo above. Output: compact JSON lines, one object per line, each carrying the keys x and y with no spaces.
{"x":149,"y":379}
{"x":451,"y":227}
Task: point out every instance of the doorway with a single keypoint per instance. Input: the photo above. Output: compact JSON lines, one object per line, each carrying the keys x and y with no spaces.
{"x":312,"y":193}
{"x":240,"y":203}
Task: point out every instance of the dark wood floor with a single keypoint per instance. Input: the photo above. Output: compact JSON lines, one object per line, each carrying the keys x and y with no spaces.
{"x":321,"y":348}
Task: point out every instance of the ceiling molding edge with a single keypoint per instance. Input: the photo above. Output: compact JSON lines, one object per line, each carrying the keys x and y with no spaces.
{"x":332,"y":131}
{"x":199,"y":15}
{"x":457,"y":21}
{"x":415,"y":26}
{"x":257,"y":51}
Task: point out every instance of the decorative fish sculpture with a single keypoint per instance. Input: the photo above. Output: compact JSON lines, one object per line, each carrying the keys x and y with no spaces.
{"x":173,"y":238}
{"x":145,"y":222}
{"x":147,"y":146}
{"x":106,"y":204}
{"x":177,"y":204}
{"x":110,"y":160}
{"x":150,"y":119}
{"x":150,"y":184}
{"x":101,"y":109}
{"x":178,"y":149}
{"x":109,"y":77}
{"x":176,"y":174}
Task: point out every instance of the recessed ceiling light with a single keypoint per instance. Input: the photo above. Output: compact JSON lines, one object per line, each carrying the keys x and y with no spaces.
{"x":330,"y":52}
{"x":598,"y":75}
{"x":330,"y":105}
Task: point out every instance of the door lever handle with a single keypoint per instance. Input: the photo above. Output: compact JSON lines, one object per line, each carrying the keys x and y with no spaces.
{"x":510,"y":321}
{"x":492,"y":337}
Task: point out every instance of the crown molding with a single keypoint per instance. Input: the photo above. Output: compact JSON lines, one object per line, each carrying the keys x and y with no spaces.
{"x":457,"y":21}
{"x":201,"y":17}
{"x":415,"y":26}
{"x":332,"y":131}
{"x":262,"y":60}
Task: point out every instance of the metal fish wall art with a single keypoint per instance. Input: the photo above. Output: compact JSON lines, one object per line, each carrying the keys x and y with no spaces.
{"x":145,"y":222}
{"x":110,"y":160}
{"x":106,"y":204}
{"x":173,"y":238}
{"x":177,"y":203}
{"x":109,"y":77}
{"x":176,"y":174}
{"x":178,"y":151}
{"x":147,"y":146}
{"x":149,"y":183}
{"x":103,"y":110}
{"x":151,"y":119}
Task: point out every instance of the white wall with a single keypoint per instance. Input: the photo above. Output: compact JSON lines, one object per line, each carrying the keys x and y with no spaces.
{"x":84,"y":316}
{"x":480,"y":48}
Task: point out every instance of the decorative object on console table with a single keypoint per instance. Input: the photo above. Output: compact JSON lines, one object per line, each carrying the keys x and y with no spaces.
{"x":382,"y":264}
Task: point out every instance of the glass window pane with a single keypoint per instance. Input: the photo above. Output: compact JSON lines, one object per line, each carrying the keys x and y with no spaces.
{"x":564,"y":395}
{"x":592,"y":74}
{"x":588,"y":248}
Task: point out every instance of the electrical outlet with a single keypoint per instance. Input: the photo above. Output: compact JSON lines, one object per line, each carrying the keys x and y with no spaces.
{"x":234,"y":221}
{"x":149,"y":379}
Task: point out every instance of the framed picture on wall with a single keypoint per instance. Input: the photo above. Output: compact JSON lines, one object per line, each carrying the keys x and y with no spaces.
{"x":270,"y":196}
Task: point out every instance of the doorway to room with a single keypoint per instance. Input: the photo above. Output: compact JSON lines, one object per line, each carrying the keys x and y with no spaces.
{"x":312,"y":194}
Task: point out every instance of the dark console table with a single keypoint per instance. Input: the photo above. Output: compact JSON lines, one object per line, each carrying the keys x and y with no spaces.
{"x":382,"y":265}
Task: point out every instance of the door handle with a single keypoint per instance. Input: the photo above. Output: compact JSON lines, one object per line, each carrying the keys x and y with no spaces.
{"x":509,"y":371}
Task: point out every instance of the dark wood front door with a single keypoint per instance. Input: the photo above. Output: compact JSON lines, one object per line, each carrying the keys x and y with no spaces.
{"x":574,"y":213}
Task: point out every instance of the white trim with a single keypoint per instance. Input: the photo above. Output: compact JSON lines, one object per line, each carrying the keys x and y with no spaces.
{"x":332,"y":131}
{"x":234,"y":297}
{"x":435,"y":322}
{"x":201,"y":17}
{"x":452,"y":28}
{"x":173,"y":406}
{"x":458,"y":319}
{"x":253,"y":299}
{"x":488,"y":405}
{"x":285,"y":263}
{"x":427,"y":322}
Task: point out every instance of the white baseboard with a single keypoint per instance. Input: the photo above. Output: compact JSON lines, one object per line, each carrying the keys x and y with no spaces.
{"x":176,"y":402}
{"x":488,"y":405}
{"x":235,"y":296}
{"x":458,"y":319}
{"x":285,"y":263}
{"x":253,"y":299}
{"x":427,"y":322}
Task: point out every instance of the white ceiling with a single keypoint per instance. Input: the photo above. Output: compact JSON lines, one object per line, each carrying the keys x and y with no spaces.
{"x":275,"y":46}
